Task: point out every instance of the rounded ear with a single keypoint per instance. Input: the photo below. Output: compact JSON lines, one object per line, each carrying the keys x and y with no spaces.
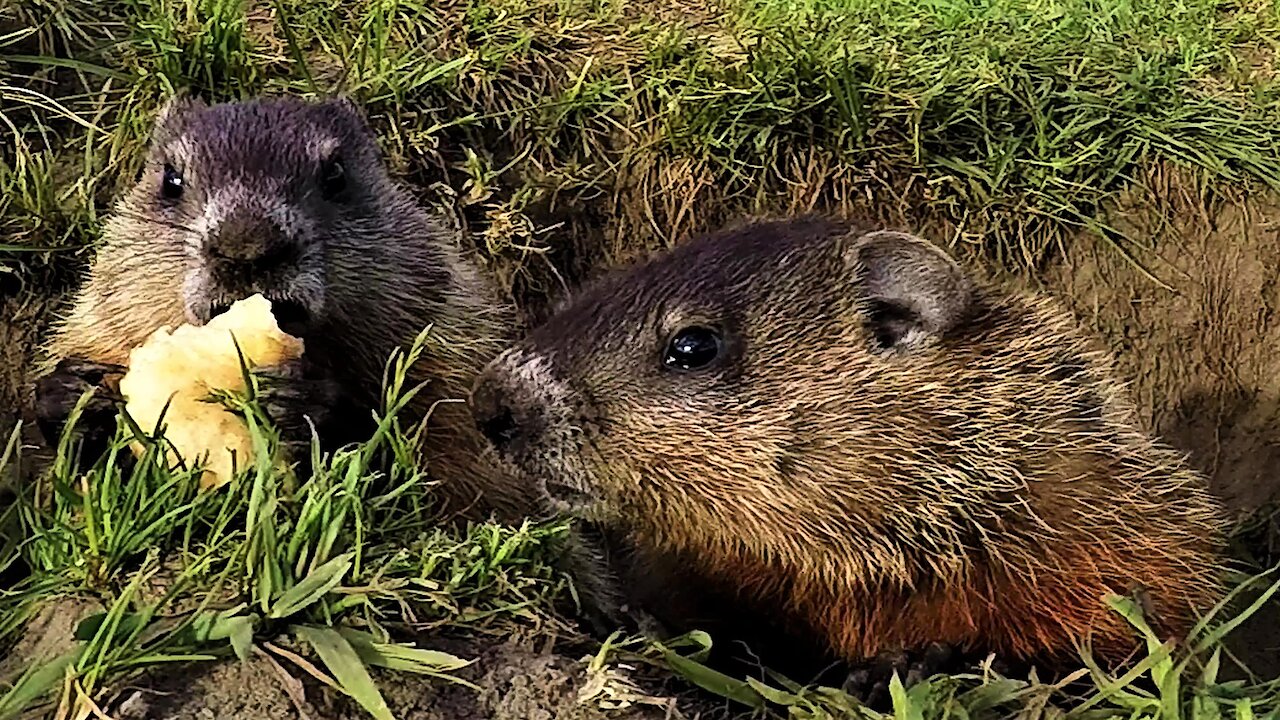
{"x":910,"y":290}
{"x":346,"y":111}
{"x":342,"y":103}
{"x":175,"y":109}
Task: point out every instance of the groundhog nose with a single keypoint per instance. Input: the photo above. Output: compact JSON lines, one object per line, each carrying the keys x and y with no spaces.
{"x":501,"y":429}
{"x":250,"y":240}
{"x":500,"y":419}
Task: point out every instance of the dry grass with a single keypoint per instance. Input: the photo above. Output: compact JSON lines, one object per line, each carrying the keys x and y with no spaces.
{"x":597,"y":130}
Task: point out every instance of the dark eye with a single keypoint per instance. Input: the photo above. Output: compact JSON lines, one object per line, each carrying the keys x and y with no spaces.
{"x":333,"y":179}
{"x":692,"y":348}
{"x":171,"y":183}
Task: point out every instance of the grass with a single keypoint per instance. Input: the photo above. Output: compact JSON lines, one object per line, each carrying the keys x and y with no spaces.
{"x":567,"y":133}
{"x":594,"y":129}
{"x":331,"y":564}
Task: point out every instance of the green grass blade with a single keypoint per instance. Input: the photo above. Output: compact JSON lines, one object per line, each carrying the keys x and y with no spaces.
{"x":711,"y":680}
{"x":347,"y":668}
{"x":404,"y":657}
{"x":904,"y":706}
{"x":36,"y":683}
{"x":312,"y":588}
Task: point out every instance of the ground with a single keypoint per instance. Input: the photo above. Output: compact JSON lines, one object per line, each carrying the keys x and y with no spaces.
{"x":529,"y":677}
{"x":1122,"y":156}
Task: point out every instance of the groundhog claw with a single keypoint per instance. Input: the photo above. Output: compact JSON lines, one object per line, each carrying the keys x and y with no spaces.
{"x":869,"y":682}
{"x":57,"y":394}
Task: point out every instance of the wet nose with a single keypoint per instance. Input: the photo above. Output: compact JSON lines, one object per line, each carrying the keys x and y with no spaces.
{"x":503,"y":416}
{"x":250,"y":239}
{"x":500,"y":427}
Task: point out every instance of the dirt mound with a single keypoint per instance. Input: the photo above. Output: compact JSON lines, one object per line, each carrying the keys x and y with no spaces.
{"x":1200,"y":355}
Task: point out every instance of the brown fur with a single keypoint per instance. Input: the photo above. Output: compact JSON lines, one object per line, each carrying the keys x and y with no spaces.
{"x":976,"y":479}
{"x":374,"y":268}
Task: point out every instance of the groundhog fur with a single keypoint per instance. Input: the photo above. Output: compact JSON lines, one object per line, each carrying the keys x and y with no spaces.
{"x":291,"y":199}
{"x":845,"y":437}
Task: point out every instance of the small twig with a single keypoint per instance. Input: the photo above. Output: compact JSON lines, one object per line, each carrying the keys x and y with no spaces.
{"x":301,"y":662}
{"x":292,"y":685}
{"x":87,"y":706}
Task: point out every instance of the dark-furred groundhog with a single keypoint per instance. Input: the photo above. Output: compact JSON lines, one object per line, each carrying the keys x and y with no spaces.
{"x":291,"y":199}
{"x":852,"y":437}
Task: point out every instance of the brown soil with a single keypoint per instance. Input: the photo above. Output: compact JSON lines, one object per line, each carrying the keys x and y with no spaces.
{"x":1202,"y":355}
{"x":48,"y":634}
{"x":521,"y":678}
{"x":519,"y":683}
{"x":21,"y":320}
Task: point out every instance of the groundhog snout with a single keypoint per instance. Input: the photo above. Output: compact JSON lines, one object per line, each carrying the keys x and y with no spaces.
{"x":250,"y":241}
{"x":509,"y":408}
{"x":510,"y":426}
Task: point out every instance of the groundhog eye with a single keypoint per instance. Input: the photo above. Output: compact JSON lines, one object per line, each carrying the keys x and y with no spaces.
{"x":692,"y":348}
{"x":171,"y":183}
{"x":333,"y":179}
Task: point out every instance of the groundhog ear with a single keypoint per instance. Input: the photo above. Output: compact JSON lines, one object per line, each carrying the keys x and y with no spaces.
{"x":175,"y":109}
{"x":911,"y":291}
{"x":349,"y":110}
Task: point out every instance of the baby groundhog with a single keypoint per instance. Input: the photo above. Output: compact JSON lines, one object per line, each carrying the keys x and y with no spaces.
{"x":292,"y":200}
{"x":848,"y":435}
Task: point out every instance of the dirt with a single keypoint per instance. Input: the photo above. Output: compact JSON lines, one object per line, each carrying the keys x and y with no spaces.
{"x":22,"y":316}
{"x":519,"y":682}
{"x":1201,"y":356}
{"x":48,"y":634}
{"x":524,"y":677}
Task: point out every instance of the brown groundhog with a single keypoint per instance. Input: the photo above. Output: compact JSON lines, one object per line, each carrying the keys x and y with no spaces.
{"x":291,"y":199}
{"x":847,"y":434}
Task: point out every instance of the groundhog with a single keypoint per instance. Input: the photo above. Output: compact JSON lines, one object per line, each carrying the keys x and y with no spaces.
{"x":291,"y":199}
{"x":846,"y":437}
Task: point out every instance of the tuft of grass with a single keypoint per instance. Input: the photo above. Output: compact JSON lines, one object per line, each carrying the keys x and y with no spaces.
{"x":1168,"y":682}
{"x":347,"y":564}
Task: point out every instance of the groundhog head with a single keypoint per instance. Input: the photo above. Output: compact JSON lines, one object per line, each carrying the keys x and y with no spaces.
{"x":252,"y":194}
{"x":732,"y":372}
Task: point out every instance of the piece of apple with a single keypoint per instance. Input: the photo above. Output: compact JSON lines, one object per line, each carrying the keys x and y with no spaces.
{"x":181,"y":367}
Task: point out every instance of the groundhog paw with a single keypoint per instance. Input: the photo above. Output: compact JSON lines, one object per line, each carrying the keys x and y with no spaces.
{"x":297,"y":397}
{"x":869,"y":682}
{"x":606,"y":617}
{"x":57,"y":394}
{"x":646,"y":624}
